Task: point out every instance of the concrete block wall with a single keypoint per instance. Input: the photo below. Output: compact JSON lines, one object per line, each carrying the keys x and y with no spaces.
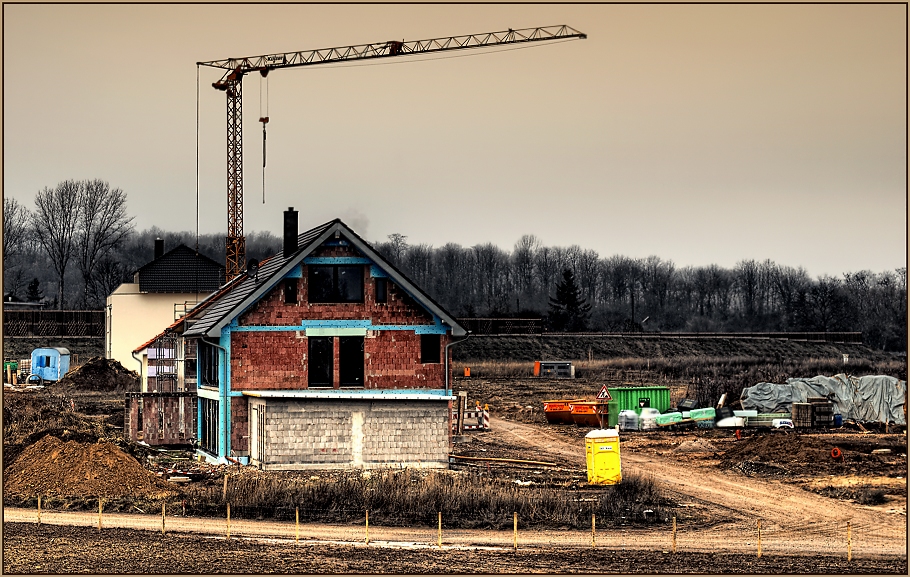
{"x":313,"y":434}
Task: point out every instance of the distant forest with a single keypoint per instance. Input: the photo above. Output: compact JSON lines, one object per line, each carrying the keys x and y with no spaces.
{"x":623,"y":293}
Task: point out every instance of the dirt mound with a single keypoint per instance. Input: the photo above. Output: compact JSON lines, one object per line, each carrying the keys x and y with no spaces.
{"x":696,"y":446}
{"x":795,"y":453}
{"x":100,"y":374}
{"x":54,"y":467}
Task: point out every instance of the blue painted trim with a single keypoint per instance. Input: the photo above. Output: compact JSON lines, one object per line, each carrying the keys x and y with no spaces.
{"x":235,"y":394}
{"x":437,"y":329}
{"x":296,"y":272}
{"x":336,"y":260}
{"x":224,"y":389}
{"x":377,"y":272}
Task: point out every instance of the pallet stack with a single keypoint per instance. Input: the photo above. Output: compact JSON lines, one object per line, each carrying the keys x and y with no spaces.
{"x":801,"y":413}
{"x":822,"y":412}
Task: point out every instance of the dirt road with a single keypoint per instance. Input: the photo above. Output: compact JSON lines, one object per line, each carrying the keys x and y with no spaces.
{"x":792,"y":519}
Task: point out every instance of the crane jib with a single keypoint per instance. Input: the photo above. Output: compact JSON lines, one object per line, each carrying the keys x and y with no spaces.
{"x":231,"y":83}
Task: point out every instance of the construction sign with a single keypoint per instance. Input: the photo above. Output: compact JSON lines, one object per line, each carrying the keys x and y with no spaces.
{"x":604,"y":394}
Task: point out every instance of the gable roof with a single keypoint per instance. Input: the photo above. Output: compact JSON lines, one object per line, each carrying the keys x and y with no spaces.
{"x":244,"y":292}
{"x":181,"y":270}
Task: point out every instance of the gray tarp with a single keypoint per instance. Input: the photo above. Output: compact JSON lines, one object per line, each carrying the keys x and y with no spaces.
{"x":871,"y":398}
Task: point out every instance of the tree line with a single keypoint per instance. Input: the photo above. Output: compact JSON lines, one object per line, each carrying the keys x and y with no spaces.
{"x":79,"y":244}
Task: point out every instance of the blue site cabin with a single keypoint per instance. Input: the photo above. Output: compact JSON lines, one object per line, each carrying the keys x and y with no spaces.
{"x":50,"y":363}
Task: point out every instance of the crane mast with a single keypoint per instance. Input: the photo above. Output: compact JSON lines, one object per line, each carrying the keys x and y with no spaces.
{"x":232,"y":84}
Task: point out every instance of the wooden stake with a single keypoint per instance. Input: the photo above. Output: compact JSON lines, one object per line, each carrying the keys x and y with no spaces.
{"x":593,"y":532}
{"x":849,"y":541}
{"x":162,"y":518}
{"x":39,"y":510}
{"x":674,"y":534}
{"x":368,"y":528}
{"x":439,"y":531}
{"x":515,"y":525}
{"x":759,"y":538}
{"x":100,"y":505}
{"x":297,"y":525}
{"x":224,"y":491}
{"x":228,"y":520}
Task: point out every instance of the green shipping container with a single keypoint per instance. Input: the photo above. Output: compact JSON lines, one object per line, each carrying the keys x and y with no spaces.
{"x":635,"y":398}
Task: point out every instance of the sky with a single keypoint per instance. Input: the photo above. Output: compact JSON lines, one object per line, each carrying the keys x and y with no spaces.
{"x":702,"y":134}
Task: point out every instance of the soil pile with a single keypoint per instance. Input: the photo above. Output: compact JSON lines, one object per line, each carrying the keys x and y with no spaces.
{"x":100,"y":374}
{"x":695,"y":446}
{"x":54,"y":467}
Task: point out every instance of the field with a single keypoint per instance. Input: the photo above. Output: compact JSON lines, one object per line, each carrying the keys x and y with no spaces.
{"x":702,"y":490}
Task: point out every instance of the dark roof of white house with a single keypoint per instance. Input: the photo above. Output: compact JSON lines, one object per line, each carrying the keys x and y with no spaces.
{"x":244,"y":291}
{"x":181,"y":270}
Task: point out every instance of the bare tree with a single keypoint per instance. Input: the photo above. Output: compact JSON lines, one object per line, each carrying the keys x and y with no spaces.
{"x":54,"y":224}
{"x":103,"y":225}
{"x":15,"y":235}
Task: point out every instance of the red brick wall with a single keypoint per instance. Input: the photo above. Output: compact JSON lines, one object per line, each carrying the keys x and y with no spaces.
{"x":240,"y":415}
{"x":276,"y":360}
{"x":268,"y":360}
{"x":152,"y":433}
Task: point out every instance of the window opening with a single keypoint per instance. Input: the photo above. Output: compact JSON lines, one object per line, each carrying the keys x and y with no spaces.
{"x":335,"y":284}
{"x":320,"y":361}
{"x":429,"y":348}
{"x":350,"y":362}
{"x":290,"y":291}
{"x":209,"y":440}
{"x":208,"y":358}
{"x":382,"y":290}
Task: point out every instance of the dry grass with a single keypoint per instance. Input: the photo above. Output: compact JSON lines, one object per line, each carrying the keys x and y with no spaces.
{"x":414,"y":498}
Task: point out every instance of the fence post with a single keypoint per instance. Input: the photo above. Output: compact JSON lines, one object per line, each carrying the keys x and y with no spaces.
{"x":515,"y":530}
{"x":39,"y":510}
{"x":163,"y":505}
{"x":849,"y":542}
{"x":367,"y":541}
{"x":296,"y":524}
{"x":593,"y":532}
{"x":100,"y":504}
{"x":439,"y":531}
{"x":228,"y":520}
{"x":674,"y":534}
{"x":224,"y":491}
{"x":759,"y":538}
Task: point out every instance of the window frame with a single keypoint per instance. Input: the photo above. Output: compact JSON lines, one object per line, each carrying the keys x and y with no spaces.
{"x":335,"y":295}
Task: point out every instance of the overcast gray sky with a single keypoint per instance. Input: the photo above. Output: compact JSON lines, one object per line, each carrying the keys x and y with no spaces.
{"x":698,"y":133}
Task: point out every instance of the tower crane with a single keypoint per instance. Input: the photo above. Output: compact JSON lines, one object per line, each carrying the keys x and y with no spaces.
{"x":231,"y":83}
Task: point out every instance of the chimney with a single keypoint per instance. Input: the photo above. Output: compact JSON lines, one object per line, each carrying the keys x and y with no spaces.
{"x":290,"y":232}
{"x":159,"y":248}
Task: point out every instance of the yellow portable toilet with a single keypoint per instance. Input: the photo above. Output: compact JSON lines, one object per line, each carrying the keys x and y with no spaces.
{"x":602,"y":456}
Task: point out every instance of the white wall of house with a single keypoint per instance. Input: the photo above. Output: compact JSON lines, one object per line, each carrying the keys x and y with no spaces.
{"x":133,"y":318}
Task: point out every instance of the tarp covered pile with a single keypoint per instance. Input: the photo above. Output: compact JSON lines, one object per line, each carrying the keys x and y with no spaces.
{"x":865,"y":399}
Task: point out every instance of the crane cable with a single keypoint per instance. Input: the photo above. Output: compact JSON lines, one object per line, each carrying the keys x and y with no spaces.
{"x":264,"y":119}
